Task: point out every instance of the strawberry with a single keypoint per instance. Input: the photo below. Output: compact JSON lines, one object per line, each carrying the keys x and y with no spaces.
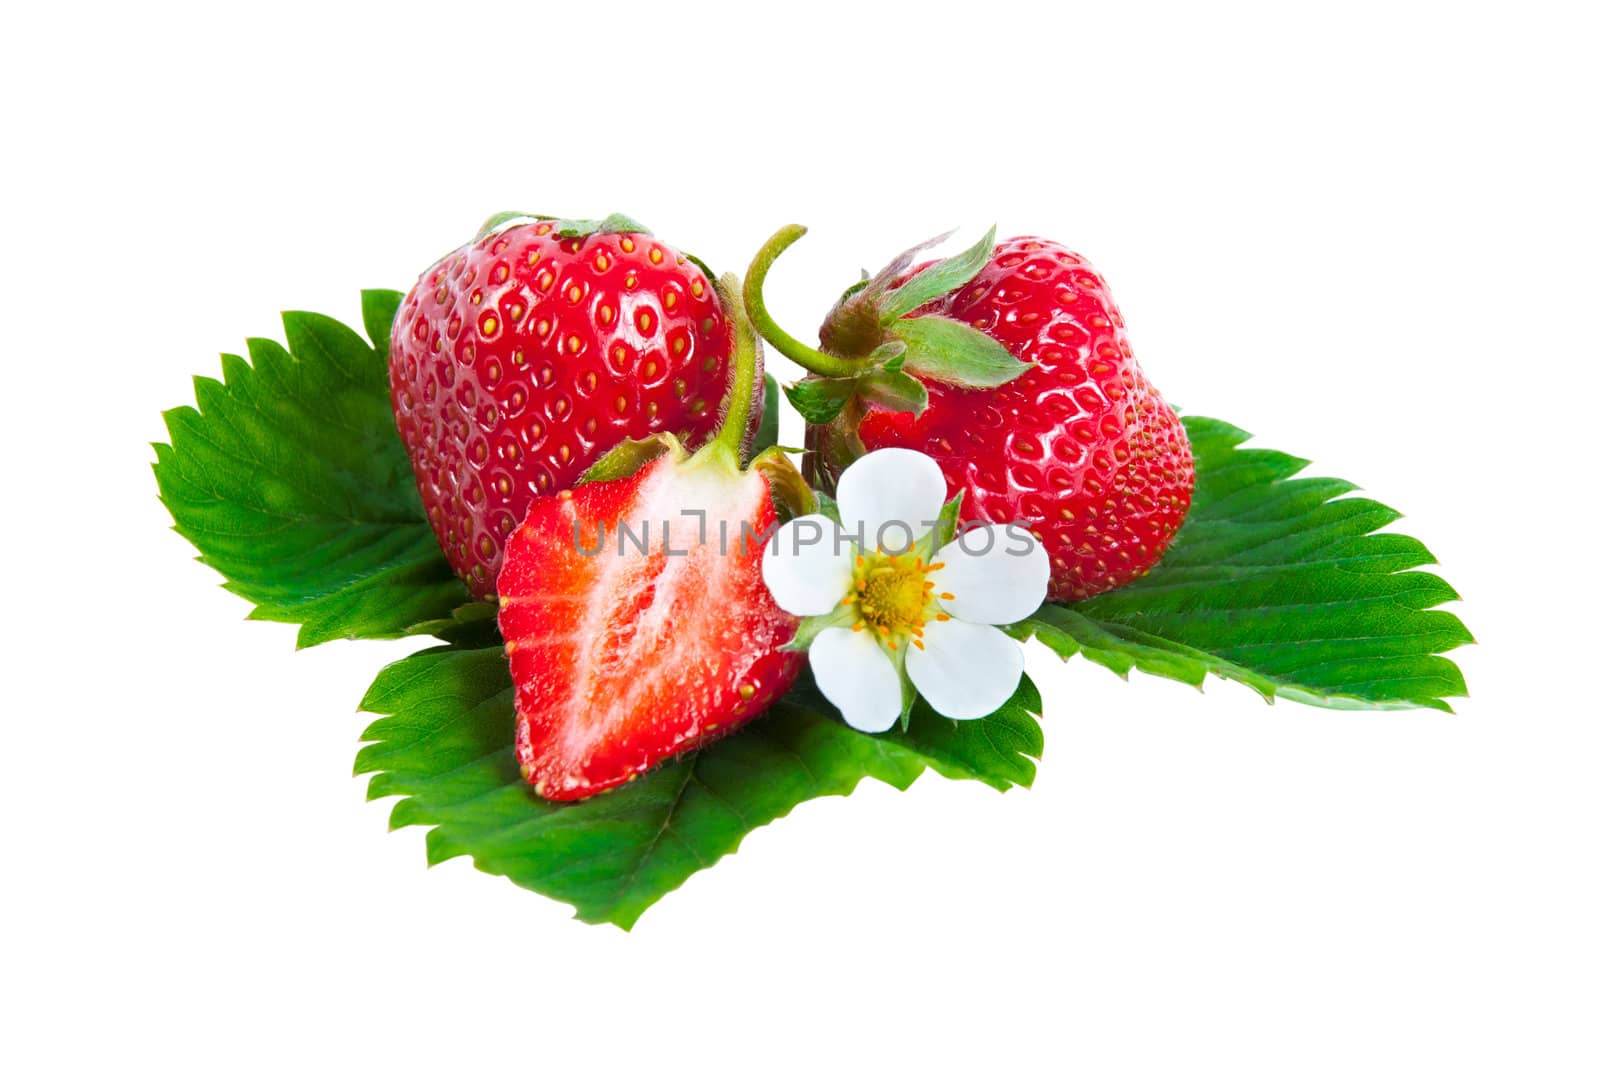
{"x":634,"y":613}
{"x":523,"y":356}
{"x":623,"y":657}
{"x":1074,"y":440}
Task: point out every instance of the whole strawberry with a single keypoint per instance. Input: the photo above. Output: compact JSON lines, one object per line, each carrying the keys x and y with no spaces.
{"x":1070,"y":437}
{"x":522,"y":357}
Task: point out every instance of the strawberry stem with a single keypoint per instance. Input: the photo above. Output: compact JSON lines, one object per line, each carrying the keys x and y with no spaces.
{"x":814,"y":360}
{"x":731,"y":433}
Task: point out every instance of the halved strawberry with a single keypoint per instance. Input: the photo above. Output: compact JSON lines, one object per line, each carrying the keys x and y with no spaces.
{"x":634,"y":611}
{"x":623,"y":655}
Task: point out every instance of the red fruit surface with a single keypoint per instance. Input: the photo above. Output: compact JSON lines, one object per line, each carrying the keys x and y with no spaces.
{"x":1082,"y":445}
{"x":624,"y":658}
{"x":518,"y":360}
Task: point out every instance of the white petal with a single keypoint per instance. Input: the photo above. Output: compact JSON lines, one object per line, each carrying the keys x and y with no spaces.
{"x":857,"y":678}
{"x":888,"y":493}
{"x":807,"y":565}
{"x":989,"y":583}
{"x":966,"y":671}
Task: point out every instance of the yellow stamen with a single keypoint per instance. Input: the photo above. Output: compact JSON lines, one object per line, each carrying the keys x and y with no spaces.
{"x":892,"y":596}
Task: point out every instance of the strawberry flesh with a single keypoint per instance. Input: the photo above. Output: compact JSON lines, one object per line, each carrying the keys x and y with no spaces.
{"x":623,"y":657}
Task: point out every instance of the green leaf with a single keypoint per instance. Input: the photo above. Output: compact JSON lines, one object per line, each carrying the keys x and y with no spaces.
{"x":444,"y":744}
{"x":895,"y":390}
{"x":820,"y":400}
{"x":1278,"y":582}
{"x":289,"y":476}
{"x":378,"y":309}
{"x":936,"y":280}
{"x":998,"y":749}
{"x":767,"y":432}
{"x":951,"y":351}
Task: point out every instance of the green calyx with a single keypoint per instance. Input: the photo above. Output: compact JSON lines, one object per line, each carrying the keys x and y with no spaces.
{"x":580,"y":228}
{"x":875,"y":347}
{"x":613,"y":223}
{"x":630,"y":456}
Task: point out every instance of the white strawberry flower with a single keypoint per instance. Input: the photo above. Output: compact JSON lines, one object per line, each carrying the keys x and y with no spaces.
{"x":887,"y":608}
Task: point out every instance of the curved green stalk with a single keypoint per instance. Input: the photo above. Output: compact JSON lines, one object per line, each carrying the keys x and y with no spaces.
{"x":812,"y":359}
{"x":742,"y":383}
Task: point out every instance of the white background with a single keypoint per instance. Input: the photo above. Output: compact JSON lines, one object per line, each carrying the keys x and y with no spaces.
{"x":1367,"y":234}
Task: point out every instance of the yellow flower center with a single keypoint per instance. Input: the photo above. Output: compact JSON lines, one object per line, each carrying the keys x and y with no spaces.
{"x":894,"y":597}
